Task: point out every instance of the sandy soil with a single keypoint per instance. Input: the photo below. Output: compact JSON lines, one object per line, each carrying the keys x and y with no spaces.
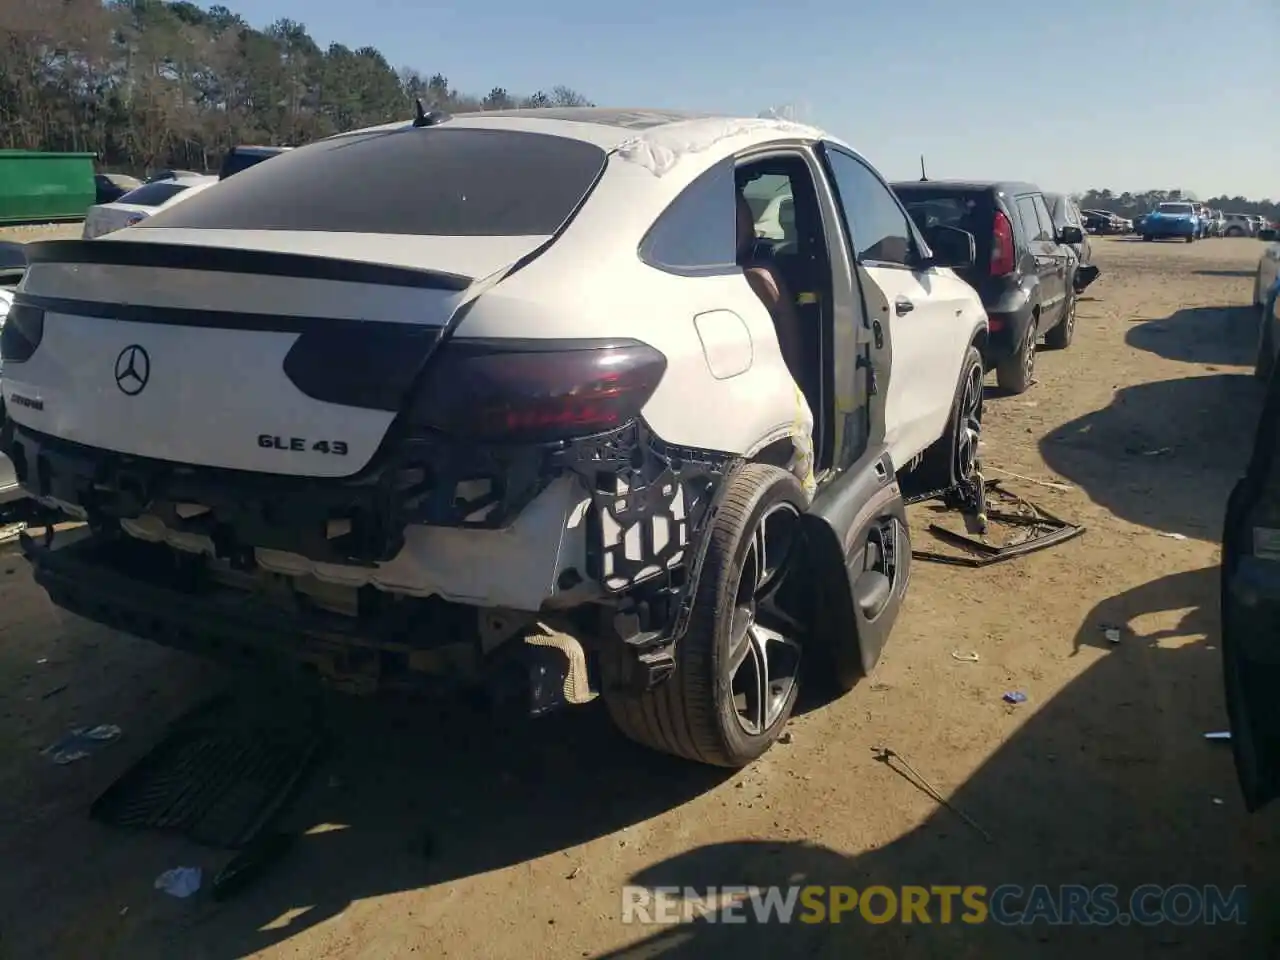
{"x":42,"y":231}
{"x":461,"y":839}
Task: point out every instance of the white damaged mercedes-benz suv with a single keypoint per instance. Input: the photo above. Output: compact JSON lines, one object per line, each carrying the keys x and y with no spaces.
{"x":612,"y":402}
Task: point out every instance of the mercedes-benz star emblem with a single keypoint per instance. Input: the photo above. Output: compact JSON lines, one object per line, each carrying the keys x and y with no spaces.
{"x":133,"y":370}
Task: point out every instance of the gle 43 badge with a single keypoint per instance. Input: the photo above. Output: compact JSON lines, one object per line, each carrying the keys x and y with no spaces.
{"x":302,"y":444}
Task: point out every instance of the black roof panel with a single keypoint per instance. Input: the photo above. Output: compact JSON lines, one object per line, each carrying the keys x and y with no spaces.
{"x":1004,"y":186}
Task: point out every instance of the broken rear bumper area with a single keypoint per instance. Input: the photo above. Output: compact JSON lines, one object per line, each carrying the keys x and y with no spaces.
{"x":649,"y":498}
{"x":140,"y":589}
{"x":646,"y":504}
{"x":419,"y":647}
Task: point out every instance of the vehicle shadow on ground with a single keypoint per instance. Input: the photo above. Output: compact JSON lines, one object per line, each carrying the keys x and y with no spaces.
{"x":1212,"y":335}
{"x":422,"y":800}
{"x":1161,"y":454}
{"x":1071,"y":798}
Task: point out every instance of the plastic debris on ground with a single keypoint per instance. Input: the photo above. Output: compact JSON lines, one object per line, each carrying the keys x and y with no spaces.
{"x":964,"y":657}
{"x":1218,"y":736}
{"x":1015,"y":696}
{"x":1112,"y":634}
{"x":180,"y":882}
{"x":80,"y":743}
{"x":1173,"y":536}
{"x":1001,"y":515}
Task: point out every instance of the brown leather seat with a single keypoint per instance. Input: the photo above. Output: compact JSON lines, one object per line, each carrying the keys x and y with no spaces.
{"x":769,"y":285}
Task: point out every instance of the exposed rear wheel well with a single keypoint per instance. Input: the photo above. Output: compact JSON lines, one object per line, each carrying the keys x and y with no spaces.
{"x":979,"y":340}
{"x":775,"y":454}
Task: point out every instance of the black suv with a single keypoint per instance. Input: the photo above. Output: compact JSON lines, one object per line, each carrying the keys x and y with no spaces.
{"x":1022,"y":270}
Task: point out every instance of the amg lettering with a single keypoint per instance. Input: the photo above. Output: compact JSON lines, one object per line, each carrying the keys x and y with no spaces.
{"x":300,"y":444}
{"x":26,"y":401}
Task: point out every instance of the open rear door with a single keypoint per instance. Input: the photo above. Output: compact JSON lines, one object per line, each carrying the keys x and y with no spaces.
{"x":1251,"y":613}
{"x":857,"y":530}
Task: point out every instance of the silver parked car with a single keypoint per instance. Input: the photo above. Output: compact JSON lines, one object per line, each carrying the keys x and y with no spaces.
{"x":13,"y":264}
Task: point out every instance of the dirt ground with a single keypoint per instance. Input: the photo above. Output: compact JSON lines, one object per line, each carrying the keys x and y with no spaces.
{"x":443,"y":836}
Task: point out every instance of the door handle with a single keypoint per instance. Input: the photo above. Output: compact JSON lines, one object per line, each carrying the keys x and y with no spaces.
{"x":902,"y":305}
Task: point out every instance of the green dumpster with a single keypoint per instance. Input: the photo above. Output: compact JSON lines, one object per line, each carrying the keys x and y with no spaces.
{"x":38,"y":187}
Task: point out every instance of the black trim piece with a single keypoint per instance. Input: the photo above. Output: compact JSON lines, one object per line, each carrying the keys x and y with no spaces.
{"x":182,"y":256}
{"x":218,"y":319}
{"x":367,"y":365}
{"x":22,"y":332}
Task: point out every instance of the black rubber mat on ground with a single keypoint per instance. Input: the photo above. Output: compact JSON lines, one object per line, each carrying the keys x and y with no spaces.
{"x":219,"y":778}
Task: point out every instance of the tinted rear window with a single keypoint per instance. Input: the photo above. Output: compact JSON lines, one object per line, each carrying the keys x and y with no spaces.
{"x":236,"y":162}
{"x":434,"y":181}
{"x":153,"y":194}
{"x":966,"y":210}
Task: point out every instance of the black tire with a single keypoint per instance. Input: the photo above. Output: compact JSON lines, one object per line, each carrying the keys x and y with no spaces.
{"x":1059,"y":338}
{"x":1014,"y":374}
{"x":694,"y":714}
{"x":953,"y":456}
{"x":1265,"y":362}
{"x":1191,"y":239}
{"x":1147,"y":237}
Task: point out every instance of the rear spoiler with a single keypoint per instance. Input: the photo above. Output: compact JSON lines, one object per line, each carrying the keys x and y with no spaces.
{"x":187,"y":256}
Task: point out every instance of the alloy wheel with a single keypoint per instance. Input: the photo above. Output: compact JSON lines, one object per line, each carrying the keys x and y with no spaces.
{"x":969,"y":425}
{"x":764,"y":654}
{"x":1029,"y":359}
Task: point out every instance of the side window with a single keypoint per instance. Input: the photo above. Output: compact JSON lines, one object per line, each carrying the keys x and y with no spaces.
{"x":1030,"y":221}
{"x":773,"y":207}
{"x":1046,"y":220}
{"x":697,"y":233}
{"x":877,"y":224}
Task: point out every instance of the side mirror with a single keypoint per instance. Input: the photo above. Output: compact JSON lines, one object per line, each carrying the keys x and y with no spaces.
{"x":1267,"y":234}
{"x":1069,"y":235}
{"x":951,"y":246}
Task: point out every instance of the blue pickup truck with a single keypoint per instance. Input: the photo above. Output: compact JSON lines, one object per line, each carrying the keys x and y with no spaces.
{"x":1172,"y":220}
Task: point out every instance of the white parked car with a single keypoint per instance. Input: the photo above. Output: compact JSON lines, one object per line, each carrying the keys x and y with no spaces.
{"x":140,"y":203}
{"x":519,"y":402}
{"x":10,"y":491}
{"x":1264,"y":284}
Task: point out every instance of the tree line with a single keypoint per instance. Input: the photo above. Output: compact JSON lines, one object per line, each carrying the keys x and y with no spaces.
{"x":1130,"y":205}
{"x":148,"y":84}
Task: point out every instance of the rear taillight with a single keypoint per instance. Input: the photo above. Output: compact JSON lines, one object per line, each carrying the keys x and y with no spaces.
{"x":536,"y":392}
{"x":1002,"y":259}
{"x":22,"y":332}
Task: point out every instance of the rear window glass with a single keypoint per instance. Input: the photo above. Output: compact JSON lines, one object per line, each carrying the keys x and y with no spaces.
{"x":153,"y":194}
{"x":237,"y":161}
{"x":1176,"y":208}
{"x":931,"y":209}
{"x":433,"y":181}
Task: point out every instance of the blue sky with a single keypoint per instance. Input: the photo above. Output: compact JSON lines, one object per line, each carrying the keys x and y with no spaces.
{"x":1125,"y":94}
